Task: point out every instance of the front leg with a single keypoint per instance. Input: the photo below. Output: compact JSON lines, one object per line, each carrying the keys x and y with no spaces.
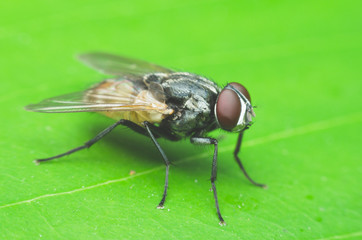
{"x":208,"y":141}
{"x":237,"y":149}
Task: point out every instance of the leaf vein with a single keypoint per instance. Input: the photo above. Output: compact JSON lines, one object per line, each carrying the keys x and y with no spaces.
{"x":345,"y":236}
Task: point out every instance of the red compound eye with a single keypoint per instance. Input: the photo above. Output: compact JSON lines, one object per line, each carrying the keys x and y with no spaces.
{"x":228,"y":106}
{"x":242,"y":89}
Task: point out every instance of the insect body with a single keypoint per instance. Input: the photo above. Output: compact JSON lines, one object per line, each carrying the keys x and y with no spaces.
{"x":158,"y":102}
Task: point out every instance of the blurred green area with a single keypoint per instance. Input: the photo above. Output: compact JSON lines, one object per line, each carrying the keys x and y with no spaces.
{"x":300,"y":60}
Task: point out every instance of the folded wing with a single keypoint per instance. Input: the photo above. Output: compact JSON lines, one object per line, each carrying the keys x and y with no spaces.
{"x":120,"y":66}
{"x":108,"y":96}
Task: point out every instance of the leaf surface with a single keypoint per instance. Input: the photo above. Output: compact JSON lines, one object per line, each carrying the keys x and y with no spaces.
{"x":301,"y":62}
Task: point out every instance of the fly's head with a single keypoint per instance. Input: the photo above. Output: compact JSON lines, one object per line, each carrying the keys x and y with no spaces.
{"x":233,"y":110}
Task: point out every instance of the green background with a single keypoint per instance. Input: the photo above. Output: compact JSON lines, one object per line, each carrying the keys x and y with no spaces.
{"x":300,"y":60}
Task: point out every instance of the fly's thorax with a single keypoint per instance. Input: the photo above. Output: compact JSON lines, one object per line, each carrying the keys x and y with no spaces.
{"x":154,"y":78}
{"x":193,"y":98}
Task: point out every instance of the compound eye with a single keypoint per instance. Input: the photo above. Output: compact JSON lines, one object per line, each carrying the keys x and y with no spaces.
{"x":242,"y":89}
{"x":228,"y":108}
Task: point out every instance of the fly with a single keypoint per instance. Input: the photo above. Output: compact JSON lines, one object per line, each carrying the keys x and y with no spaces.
{"x":158,"y":102}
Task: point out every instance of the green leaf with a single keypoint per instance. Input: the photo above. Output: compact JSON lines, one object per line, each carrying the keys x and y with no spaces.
{"x":301,"y":62}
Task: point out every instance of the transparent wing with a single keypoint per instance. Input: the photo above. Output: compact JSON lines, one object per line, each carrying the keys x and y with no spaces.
{"x":110,"y":95}
{"x":74,"y":102}
{"x":117,"y":65}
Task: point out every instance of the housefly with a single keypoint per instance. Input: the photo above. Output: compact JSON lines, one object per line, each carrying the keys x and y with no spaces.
{"x":158,"y":102}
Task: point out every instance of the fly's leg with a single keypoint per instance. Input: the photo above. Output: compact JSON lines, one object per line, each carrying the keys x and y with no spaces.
{"x":236,"y":151}
{"x":162,"y":202}
{"x":209,"y":141}
{"x":100,"y":135}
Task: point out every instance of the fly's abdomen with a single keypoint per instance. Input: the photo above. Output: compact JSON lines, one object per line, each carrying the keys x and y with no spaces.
{"x":137,"y":104}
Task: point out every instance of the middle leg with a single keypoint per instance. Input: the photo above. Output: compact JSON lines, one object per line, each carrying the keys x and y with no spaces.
{"x":209,"y":141}
{"x":167,"y":162}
